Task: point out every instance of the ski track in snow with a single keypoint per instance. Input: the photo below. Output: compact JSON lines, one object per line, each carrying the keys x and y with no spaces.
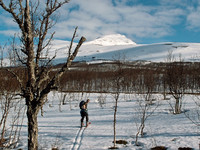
{"x":78,"y":139}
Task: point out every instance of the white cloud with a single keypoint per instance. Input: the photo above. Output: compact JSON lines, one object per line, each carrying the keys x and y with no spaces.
{"x":191,"y":10}
{"x":8,"y":21}
{"x":99,"y":17}
{"x":9,"y":33}
{"x":193,"y":19}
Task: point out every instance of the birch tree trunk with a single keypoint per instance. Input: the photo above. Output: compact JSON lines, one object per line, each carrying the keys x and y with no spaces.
{"x":32,"y":127}
{"x":115,"y":119}
{"x":177,"y":106}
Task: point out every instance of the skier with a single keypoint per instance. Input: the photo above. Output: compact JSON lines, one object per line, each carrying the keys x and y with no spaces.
{"x":84,"y":112}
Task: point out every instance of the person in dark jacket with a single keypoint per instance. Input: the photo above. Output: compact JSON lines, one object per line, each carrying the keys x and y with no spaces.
{"x":84,"y":113}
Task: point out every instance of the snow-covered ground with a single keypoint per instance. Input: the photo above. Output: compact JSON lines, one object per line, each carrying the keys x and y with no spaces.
{"x":60,"y":125}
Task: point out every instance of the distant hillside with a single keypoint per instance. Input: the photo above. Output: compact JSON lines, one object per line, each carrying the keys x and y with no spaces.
{"x":117,"y":46}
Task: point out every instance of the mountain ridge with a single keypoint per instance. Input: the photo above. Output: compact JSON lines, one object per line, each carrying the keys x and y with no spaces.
{"x":157,"y":52}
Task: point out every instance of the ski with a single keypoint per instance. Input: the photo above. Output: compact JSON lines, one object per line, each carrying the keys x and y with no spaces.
{"x":86,"y":125}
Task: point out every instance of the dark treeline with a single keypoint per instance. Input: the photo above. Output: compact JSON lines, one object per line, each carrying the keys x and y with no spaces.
{"x":135,"y":77}
{"x":153,"y":77}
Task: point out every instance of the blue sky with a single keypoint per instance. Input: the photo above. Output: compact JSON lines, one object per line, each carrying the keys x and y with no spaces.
{"x":143,"y":21}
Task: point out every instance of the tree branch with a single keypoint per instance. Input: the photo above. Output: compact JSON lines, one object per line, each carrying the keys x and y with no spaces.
{"x":18,"y":79}
{"x":65,"y":67}
{"x":11,"y":11}
{"x":71,"y":43}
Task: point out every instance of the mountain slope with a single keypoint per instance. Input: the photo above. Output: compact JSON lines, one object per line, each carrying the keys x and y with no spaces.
{"x":119,"y":47}
{"x":153,"y":52}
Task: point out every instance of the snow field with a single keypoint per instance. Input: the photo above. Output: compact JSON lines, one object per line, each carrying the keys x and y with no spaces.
{"x":61,"y":129}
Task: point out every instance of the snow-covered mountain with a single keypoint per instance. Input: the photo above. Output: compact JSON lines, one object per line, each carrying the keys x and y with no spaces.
{"x":111,"y":40}
{"x":118,"y":46}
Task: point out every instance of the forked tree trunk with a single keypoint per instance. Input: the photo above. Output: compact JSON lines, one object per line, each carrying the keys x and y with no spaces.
{"x":32,"y":127}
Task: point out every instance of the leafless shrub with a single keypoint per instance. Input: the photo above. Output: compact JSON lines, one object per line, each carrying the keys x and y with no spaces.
{"x":12,"y":115}
{"x":102,"y":100}
{"x":2,"y":54}
{"x":194,"y":114}
{"x":67,"y":98}
{"x":143,"y":112}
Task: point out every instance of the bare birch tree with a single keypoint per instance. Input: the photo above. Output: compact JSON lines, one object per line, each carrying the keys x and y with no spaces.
{"x":2,"y":52}
{"x":145,"y":106}
{"x":176,"y":80}
{"x":144,"y":111}
{"x":117,"y":89}
{"x":12,"y":52}
{"x":34,"y":23}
